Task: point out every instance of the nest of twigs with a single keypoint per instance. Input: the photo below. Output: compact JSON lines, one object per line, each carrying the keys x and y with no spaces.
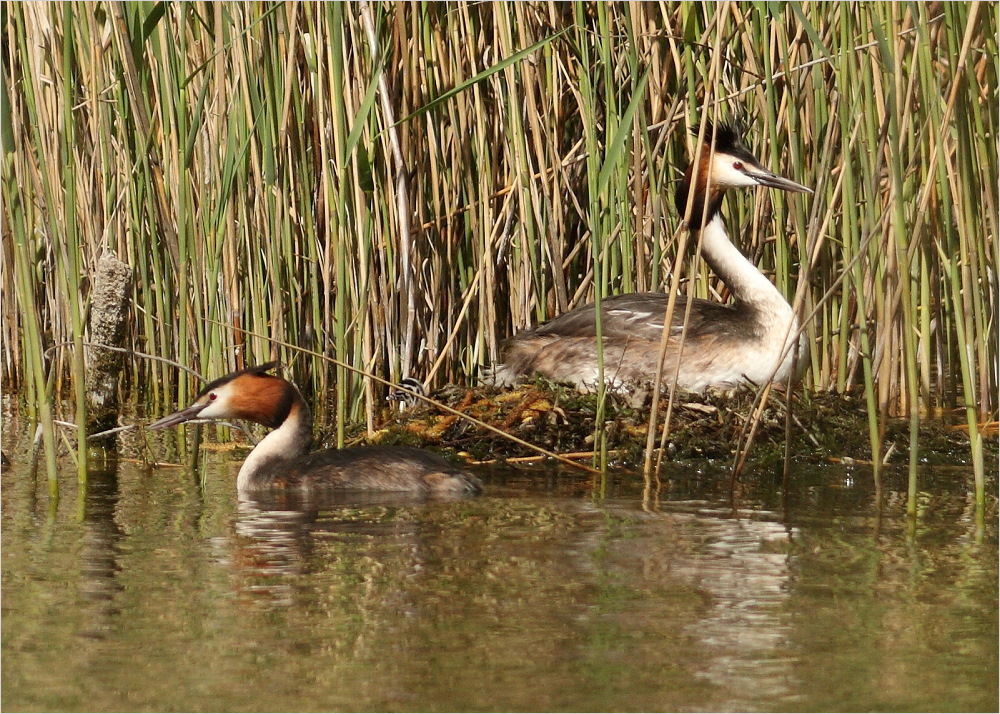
{"x":818,"y":427}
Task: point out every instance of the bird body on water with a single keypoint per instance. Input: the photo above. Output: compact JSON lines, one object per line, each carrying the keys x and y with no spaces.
{"x":282,"y":460}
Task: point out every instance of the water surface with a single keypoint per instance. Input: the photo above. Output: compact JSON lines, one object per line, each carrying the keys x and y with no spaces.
{"x":158,"y":590}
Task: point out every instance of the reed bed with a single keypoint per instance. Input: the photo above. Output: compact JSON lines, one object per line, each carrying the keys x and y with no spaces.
{"x":401,"y":186}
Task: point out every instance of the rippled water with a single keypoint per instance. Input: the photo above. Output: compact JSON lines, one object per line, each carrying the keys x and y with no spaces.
{"x":158,"y":590}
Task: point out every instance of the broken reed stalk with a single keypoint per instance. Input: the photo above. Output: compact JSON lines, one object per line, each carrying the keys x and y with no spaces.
{"x":109,"y":311}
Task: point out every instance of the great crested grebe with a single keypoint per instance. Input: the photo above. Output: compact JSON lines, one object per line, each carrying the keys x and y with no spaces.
{"x":725,"y":345}
{"x":281,"y":461}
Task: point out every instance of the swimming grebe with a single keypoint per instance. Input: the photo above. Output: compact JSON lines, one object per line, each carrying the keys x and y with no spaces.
{"x":725,"y":345}
{"x":281,"y":461}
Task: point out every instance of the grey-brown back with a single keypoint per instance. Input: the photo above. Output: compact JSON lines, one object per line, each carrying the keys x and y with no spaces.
{"x":400,"y":469}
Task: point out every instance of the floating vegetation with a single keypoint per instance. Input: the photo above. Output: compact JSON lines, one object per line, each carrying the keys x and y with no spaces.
{"x":829,"y":427}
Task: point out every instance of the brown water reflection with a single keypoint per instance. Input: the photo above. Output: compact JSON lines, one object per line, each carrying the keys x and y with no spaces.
{"x":161,"y":591}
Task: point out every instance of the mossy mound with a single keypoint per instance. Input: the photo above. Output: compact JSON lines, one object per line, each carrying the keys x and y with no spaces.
{"x":821,"y":427}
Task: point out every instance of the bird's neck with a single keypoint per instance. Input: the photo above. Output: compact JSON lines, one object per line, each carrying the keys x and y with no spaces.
{"x":742,"y":277}
{"x":289,"y":441}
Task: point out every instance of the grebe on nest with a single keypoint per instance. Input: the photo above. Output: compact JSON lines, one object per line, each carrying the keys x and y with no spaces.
{"x":281,"y":459}
{"x":724,"y":345}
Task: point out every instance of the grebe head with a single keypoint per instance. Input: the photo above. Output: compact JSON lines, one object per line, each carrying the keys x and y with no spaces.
{"x":724,"y":163}
{"x":249,"y":394}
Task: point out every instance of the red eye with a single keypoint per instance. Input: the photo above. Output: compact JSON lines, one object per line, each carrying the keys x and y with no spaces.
{"x":738,"y":165}
{"x":212,"y":396}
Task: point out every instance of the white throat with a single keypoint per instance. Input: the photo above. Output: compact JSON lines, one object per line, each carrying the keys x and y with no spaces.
{"x":284,"y":443}
{"x":741,"y":276}
{"x":776,"y":322}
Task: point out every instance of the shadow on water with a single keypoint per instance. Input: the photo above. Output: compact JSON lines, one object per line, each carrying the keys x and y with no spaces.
{"x":164,"y":591}
{"x":99,"y":553}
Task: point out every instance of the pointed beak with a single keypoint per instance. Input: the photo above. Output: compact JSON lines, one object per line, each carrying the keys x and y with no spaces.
{"x":178,"y":417}
{"x":772,"y":180}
